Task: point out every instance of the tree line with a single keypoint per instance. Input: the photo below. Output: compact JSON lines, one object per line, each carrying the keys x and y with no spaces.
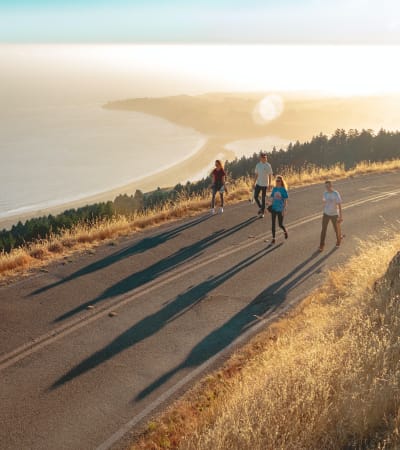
{"x":348,"y":148}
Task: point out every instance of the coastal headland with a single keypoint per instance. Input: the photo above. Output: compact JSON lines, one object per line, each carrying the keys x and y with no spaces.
{"x":227,"y":117}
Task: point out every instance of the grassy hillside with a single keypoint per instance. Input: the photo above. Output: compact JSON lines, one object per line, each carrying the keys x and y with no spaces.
{"x":82,"y":236}
{"x":326,"y":376}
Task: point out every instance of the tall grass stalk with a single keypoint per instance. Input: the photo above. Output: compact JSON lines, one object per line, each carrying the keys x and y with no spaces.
{"x":325,"y":377}
{"x":83,"y":236}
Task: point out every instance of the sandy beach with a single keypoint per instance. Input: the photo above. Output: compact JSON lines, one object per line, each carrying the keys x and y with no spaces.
{"x":226,"y":118}
{"x":169,"y":177}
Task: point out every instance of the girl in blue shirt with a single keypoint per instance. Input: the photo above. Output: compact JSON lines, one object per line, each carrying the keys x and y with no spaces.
{"x":279,"y":196}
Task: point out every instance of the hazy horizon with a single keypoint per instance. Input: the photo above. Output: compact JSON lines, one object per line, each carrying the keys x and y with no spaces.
{"x":64,"y":74}
{"x":40,"y":83}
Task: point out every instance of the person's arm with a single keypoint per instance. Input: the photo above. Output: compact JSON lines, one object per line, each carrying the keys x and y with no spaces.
{"x":285,"y":203}
{"x":269,"y":199}
{"x":340,"y":212}
{"x":270,"y":181}
{"x":223,"y":182}
{"x":212,"y":179}
{"x":255,"y":178}
{"x":339,"y":205}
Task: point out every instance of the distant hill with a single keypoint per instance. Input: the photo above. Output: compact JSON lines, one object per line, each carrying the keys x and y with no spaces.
{"x":231,"y":116}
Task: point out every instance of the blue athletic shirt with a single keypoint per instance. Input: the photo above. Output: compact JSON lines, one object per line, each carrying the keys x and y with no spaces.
{"x":278,"y":196}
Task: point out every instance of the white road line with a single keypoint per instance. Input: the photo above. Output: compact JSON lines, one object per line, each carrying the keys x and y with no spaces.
{"x":44,"y":340}
{"x":106,"y":445}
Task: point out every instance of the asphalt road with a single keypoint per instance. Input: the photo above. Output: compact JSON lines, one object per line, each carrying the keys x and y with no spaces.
{"x":184,"y":295}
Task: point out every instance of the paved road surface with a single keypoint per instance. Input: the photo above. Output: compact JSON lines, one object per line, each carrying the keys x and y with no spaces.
{"x":76,"y":378}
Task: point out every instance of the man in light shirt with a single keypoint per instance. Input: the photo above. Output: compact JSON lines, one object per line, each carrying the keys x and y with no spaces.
{"x":262,"y":182}
{"x":332,"y":212}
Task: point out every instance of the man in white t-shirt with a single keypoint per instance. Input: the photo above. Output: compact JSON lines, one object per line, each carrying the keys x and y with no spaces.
{"x":332,"y":212}
{"x":262,"y":182}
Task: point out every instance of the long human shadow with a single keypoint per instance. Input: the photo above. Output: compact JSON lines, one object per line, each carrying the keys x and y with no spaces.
{"x":155,"y":322}
{"x":180,"y":257}
{"x":280,"y":289}
{"x":268,"y":300}
{"x":143,"y":245}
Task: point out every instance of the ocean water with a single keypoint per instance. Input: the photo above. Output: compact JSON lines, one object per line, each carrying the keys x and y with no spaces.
{"x":52,"y":155}
{"x":58,"y":145}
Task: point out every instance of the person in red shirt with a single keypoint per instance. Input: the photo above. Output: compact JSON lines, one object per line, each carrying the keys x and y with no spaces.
{"x":218,"y":185}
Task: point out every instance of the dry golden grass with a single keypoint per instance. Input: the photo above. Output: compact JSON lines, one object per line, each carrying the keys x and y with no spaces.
{"x":81,"y":237}
{"x":327,"y":376}
{"x":316,"y":174}
{"x":84,"y":236}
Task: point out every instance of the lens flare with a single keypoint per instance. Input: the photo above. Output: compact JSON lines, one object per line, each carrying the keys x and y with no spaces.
{"x":269,"y":108}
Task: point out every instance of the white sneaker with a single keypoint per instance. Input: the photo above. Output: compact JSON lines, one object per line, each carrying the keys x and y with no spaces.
{"x":212,"y":211}
{"x":221,"y":210}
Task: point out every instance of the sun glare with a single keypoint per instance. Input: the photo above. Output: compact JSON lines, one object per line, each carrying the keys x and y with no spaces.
{"x":269,"y":108}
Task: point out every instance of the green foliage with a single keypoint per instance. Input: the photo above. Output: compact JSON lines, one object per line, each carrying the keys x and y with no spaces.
{"x":322,"y":151}
{"x":128,"y":204}
{"x":43,"y":227}
{"x":348,"y":148}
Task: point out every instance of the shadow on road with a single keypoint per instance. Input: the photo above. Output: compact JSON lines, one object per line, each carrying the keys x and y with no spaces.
{"x":180,"y":257}
{"x":267,"y":301}
{"x":155,"y":322}
{"x":140,"y":247}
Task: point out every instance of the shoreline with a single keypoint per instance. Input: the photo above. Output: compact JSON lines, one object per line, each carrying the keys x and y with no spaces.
{"x":226,"y":120}
{"x":165,"y":178}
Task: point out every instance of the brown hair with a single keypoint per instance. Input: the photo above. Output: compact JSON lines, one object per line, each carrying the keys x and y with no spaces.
{"x":283,"y":182}
{"x":218,"y":161}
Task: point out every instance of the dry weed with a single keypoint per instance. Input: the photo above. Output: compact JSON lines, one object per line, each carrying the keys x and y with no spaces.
{"x":83,"y":236}
{"x":331,"y":378}
{"x":325,"y":376}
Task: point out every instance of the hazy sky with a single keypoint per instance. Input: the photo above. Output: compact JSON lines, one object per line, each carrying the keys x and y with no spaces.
{"x":130,"y":57}
{"x":206,"y":21}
